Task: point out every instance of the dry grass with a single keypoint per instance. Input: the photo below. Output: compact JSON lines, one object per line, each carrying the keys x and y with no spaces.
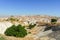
{"x":15,"y":38}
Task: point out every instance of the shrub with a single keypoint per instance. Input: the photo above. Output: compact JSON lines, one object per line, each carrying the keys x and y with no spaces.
{"x":47,"y":28}
{"x":17,"y":31}
{"x":29,"y":32}
{"x":32,"y":26}
{"x":53,"y":20}
{"x":12,"y":18}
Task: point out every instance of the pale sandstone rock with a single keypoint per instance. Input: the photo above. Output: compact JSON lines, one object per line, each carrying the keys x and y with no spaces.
{"x":4,"y":26}
{"x":44,"y":38}
{"x":36,"y":29}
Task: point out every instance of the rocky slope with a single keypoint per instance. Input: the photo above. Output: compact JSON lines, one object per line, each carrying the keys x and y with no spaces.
{"x":37,"y":33}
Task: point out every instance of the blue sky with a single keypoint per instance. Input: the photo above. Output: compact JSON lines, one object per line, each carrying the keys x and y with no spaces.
{"x":30,"y":7}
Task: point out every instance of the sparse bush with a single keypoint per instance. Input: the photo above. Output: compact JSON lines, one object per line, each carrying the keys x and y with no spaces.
{"x":17,"y":31}
{"x":32,"y":26}
{"x":29,"y":32}
{"x":12,"y":19}
{"x":53,"y":20}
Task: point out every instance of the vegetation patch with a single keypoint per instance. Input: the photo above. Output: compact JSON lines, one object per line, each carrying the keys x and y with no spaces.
{"x":53,"y":20}
{"x":31,"y":26}
{"x":17,"y":31}
{"x":2,"y":38}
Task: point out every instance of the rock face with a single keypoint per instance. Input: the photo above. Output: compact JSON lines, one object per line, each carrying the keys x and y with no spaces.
{"x":55,"y":35}
{"x":4,"y":26}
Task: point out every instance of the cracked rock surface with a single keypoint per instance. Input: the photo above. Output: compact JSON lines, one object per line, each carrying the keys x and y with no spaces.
{"x":55,"y":35}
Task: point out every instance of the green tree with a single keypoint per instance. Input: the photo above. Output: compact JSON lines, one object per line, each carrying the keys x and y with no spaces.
{"x":53,"y":21}
{"x":17,"y":31}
